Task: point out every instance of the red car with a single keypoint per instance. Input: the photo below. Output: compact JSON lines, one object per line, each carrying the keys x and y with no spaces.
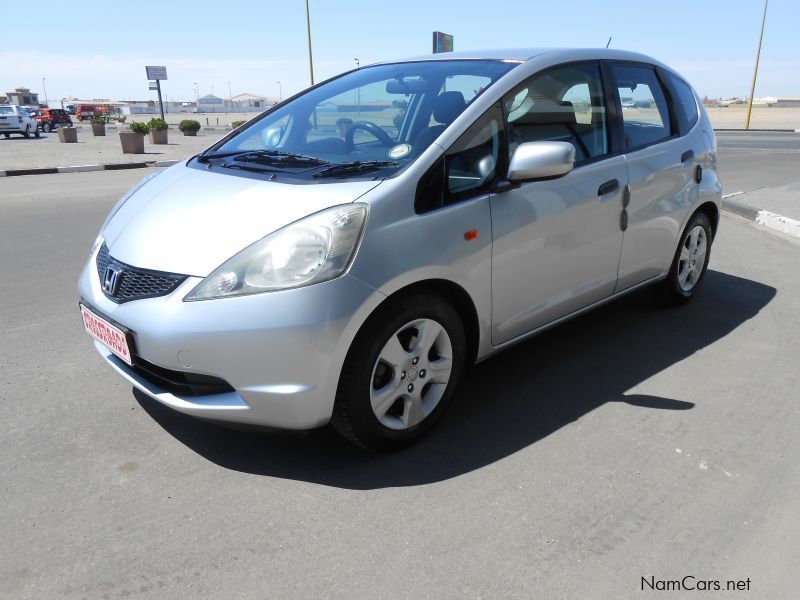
{"x":51,"y":118}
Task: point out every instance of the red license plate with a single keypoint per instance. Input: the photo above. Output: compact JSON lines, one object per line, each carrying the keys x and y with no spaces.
{"x":104,"y":332}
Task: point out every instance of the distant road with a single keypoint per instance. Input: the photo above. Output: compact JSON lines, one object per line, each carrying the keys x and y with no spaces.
{"x":753,"y":160}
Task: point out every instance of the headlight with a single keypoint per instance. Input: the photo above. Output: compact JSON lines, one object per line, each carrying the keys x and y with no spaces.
{"x":312,"y":250}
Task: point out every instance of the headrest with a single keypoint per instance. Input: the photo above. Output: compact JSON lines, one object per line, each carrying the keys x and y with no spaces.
{"x":546,"y":111}
{"x":447,"y":106}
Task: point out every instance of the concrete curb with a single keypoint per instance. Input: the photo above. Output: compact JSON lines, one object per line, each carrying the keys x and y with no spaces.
{"x":771,"y":220}
{"x":86,"y":168}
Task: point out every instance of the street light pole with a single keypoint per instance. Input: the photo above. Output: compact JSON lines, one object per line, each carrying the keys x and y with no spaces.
{"x":44,"y":89}
{"x":358,"y":91}
{"x":213,"y":104}
{"x":755,"y":71}
{"x":310,"y":59}
{"x":280,"y":91}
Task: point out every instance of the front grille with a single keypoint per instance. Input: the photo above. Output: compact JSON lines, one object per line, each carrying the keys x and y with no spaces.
{"x":180,"y":383}
{"x":134,"y":283}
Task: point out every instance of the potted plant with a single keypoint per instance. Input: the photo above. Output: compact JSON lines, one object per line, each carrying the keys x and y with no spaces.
{"x":68,"y":134}
{"x":98,"y":122}
{"x":133,"y":141}
{"x":189,"y":126}
{"x":158,"y":131}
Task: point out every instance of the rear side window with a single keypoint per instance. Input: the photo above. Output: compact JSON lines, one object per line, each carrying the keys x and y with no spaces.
{"x":645,"y":116}
{"x":685,"y":103}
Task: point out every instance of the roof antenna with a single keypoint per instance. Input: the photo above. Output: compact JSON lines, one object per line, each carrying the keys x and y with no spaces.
{"x":609,"y":43}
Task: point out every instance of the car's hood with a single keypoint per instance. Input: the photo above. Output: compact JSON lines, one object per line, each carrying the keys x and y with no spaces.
{"x":190,"y":221}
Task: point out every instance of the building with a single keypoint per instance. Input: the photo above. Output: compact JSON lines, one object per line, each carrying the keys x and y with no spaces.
{"x":22,"y":96}
{"x":252,"y":101}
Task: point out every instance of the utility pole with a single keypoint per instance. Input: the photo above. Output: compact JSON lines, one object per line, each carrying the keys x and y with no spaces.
{"x":230,"y":95}
{"x":310,"y":59}
{"x":44,"y":89}
{"x":358,"y":90}
{"x":755,"y":71}
{"x":213,"y":98}
{"x":280,"y":91}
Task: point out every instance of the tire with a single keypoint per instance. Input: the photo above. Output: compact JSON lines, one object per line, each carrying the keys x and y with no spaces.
{"x":47,"y":128}
{"x":7,"y":135}
{"x":36,"y":132}
{"x":27,"y":133}
{"x":689,"y":265}
{"x":388,"y":366}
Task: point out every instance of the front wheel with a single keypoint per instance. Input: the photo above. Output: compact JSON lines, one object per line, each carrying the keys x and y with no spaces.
{"x":36,"y":132}
{"x":27,"y":133}
{"x":400,"y":373}
{"x":690,"y":262}
{"x":47,"y":128}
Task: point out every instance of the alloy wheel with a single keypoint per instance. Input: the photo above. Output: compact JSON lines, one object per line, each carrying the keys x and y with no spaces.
{"x":692,"y":258}
{"x":411,"y":374}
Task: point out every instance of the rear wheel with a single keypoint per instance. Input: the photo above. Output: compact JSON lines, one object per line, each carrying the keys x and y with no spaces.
{"x":47,"y":128}
{"x":690,"y":262}
{"x":400,"y":373}
{"x":27,"y":133}
{"x":36,"y":131}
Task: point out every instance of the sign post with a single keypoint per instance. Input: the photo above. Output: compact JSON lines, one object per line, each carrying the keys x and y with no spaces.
{"x":442,"y":42}
{"x":157,"y":74}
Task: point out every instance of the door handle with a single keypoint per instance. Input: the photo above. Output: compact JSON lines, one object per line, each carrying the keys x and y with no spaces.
{"x":608,"y":187}
{"x":687,"y":156}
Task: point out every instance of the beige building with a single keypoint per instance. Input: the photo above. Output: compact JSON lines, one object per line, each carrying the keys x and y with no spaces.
{"x":22,"y":96}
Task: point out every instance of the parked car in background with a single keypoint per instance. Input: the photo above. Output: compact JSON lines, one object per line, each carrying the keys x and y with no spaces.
{"x":51,"y":118}
{"x":346,"y":265}
{"x":15,"y":119}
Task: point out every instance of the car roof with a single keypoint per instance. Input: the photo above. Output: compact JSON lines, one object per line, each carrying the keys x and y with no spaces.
{"x":525,"y":54}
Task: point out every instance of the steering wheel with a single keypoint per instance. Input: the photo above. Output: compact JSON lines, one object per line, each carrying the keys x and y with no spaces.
{"x":376,"y":131}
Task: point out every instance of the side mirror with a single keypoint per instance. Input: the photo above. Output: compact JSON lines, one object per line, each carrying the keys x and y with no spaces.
{"x":541,"y":160}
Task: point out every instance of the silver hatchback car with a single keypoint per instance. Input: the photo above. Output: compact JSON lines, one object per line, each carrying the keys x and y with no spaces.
{"x":347,"y":255}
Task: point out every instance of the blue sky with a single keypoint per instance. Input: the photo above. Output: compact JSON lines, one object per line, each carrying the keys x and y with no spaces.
{"x":101,"y":52}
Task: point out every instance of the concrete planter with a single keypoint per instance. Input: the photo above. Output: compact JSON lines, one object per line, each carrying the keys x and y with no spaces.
{"x":132,"y":143}
{"x":158,"y":136}
{"x":99,"y":129}
{"x":68,"y":135}
{"x":191,"y":133}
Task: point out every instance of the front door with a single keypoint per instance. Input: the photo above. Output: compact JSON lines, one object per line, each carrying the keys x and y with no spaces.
{"x":557,"y":243}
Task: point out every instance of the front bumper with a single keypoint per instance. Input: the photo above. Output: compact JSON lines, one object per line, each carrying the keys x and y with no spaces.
{"x":281,"y":352}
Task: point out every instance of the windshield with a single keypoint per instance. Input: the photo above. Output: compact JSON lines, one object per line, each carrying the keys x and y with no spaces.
{"x":376,"y":118}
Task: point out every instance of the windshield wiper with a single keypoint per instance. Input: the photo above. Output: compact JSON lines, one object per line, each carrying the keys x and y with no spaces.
{"x":357,"y":166}
{"x":266,"y":157}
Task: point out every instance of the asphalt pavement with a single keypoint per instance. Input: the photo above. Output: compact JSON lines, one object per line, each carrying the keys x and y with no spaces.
{"x":633,"y":442}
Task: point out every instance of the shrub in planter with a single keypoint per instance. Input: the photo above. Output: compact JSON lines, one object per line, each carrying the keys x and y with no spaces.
{"x":236,"y":124}
{"x":98,"y":122}
{"x":158,"y":131}
{"x":189,"y":126}
{"x":133,"y":141}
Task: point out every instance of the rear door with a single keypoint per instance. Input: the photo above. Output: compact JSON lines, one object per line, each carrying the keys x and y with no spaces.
{"x":660,"y":171}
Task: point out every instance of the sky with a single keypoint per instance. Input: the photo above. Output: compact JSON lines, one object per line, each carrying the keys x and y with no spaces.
{"x":239,"y":46}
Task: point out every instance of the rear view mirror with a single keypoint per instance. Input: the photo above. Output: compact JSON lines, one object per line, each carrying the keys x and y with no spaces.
{"x":407,"y":86}
{"x":541,"y":160}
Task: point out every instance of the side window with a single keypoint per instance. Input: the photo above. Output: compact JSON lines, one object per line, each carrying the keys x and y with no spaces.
{"x":564,"y":104}
{"x":471,"y":162}
{"x":685,"y":103}
{"x":468,"y":168}
{"x":645,"y":117}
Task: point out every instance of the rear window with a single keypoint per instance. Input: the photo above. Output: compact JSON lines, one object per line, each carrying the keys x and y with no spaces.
{"x":6,"y":110}
{"x":58,"y":112}
{"x":645,"y":116}
{"x":685,"y":103}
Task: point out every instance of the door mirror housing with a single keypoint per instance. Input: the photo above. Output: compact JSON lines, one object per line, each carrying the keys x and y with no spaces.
{"x":541,"y":160}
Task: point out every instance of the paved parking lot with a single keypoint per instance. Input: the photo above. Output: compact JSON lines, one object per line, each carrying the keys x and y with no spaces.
{"x":632,"y":442}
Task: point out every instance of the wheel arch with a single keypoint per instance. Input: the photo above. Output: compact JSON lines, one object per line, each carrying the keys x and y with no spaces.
{"x":455,"y":295}
{"x":711,"y":210}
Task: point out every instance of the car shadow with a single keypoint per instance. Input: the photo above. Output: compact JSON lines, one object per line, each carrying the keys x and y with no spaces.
{"x":505,"y":403}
